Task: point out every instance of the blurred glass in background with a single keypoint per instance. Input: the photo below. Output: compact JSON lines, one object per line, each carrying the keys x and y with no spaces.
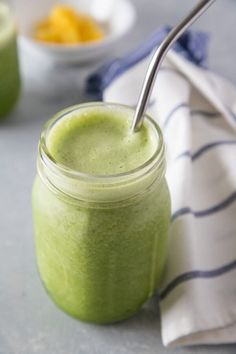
{"x":9,"y":67}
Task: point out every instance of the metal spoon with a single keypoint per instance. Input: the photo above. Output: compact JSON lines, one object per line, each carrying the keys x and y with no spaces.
{"x":158,"y":57}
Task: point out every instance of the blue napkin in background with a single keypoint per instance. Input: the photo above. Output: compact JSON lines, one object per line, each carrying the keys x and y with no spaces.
{"x":192,"y":45}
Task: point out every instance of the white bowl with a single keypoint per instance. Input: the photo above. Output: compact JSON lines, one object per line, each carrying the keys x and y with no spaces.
{"x":116,"y":16}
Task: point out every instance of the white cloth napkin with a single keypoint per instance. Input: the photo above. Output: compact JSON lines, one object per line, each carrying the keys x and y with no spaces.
{"x":196,"y":110}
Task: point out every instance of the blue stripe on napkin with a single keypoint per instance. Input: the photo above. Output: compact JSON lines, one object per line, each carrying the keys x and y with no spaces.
{"x":192,"y":45}
{"x":205,"y":114}
{"x":197,"y":274}
{"x":193,"y":112}
{"x":195,"y":155}
{"x":206,"y":212}
{"x":173,"y":111}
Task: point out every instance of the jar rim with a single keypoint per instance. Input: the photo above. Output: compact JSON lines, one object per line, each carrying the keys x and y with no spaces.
{"x":155,"y":160}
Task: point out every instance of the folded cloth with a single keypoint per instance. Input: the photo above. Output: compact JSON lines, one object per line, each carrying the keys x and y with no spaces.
{"x":196,"y":110}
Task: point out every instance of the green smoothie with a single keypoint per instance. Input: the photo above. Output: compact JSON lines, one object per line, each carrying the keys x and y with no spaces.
{"x":9,"y":71}
{"x":100,"y":260}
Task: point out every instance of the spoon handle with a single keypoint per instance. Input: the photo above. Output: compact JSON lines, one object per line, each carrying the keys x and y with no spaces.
{"x":158,"y":57}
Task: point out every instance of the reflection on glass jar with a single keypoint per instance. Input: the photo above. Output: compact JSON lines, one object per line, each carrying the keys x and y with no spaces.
{"x":101,"y":241}
{"x":9,"y":68}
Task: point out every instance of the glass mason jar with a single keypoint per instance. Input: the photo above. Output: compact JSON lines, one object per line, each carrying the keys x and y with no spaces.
{"x":101,"y":241}
{"x":9,"y":68}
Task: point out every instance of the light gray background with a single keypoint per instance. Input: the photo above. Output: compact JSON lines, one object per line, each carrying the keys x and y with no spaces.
{"x":29,"y":322}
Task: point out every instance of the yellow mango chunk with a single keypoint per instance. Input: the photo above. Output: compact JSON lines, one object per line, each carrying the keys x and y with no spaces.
{"x":66,"y":26}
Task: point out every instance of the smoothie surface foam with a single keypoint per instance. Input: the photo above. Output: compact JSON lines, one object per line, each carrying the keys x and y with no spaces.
{"x":97,"y":141}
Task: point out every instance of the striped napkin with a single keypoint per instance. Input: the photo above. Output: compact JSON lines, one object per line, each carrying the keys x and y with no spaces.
{"x":196,"y":110}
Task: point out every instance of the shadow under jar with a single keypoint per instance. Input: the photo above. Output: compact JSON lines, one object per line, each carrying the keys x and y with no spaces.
{"x":101,"y":240}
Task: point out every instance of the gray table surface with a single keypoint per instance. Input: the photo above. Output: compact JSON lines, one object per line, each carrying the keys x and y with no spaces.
{"x":29,"y":322}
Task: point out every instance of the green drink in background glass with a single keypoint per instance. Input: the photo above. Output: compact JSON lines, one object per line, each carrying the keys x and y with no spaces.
{"x":9,"y":68}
